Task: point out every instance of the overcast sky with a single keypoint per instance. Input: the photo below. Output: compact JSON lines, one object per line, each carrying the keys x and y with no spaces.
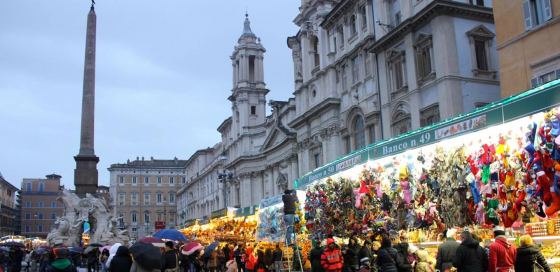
{"x":162,"y":81}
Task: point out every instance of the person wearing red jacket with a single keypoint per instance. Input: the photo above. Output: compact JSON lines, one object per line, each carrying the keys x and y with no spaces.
{"x":502,"y":253}
{"x":250,"y":260}
{"x":331,"y":259}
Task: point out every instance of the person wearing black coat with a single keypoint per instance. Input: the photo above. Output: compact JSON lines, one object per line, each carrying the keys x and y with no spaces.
{"x":402,"y":257}
{"x":351,"y":261}
{"x":528,"y":255}
{"x":122,"y":260}
{"x":387,"y":256}
{"x":470,"y":256}
{"x":315,"y":257}
{"x":446,"y":251}
{"x":169,"y":258}
{"x":365,"y":251}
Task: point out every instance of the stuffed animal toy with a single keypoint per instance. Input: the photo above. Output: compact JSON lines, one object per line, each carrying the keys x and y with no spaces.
{"x":405,"y":185}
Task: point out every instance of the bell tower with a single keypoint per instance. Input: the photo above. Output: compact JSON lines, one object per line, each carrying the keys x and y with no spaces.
{"x":249,"y":91}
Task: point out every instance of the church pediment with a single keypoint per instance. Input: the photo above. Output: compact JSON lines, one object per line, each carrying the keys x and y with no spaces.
{"x":274,"y":138}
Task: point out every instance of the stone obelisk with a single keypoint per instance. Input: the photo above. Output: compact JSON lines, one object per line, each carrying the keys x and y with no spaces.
{"x":85,"y":174}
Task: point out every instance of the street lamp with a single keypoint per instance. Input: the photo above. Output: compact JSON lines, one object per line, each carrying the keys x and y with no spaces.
{"x":225,"y":177}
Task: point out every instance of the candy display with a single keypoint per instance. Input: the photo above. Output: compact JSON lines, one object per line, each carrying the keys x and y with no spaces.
{"x":223,"y":229}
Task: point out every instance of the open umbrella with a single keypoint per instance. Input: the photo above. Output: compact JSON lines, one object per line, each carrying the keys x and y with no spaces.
{"x":191,"y":247}
{"x":146,"y":255}
{"x":95,"y":245}
{"x":170,"y":234}
{"x":75,"y":250}
{"x":105,"y":247}
{"x":12,"y":244}
{"x":153,"y":240}
{"x":211,"y":247}
{"x":89,"y":249}
{"x":42,"y":250}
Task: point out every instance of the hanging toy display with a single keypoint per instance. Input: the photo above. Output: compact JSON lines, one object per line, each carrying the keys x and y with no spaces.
{"x":490,"y":179}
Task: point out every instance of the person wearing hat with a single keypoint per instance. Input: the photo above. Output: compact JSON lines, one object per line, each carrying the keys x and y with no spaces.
{"x":364,"y":265}
{"x":289,"y":199}
{"x":446,"y":251}
{"x":529,"y":256}
{"x":61,"y":263}
{"x":387,"y":255}
{"x":502,"y":253}
{"x":365,"y":251}
{"x":169,"y":259}
{"x":315,"y":257}
{"x":332,"y":259}
{"x":470,"y":255}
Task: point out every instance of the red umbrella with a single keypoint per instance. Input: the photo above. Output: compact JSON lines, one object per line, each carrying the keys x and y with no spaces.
{"x":153,"y":240}
{"x":191,"y":247}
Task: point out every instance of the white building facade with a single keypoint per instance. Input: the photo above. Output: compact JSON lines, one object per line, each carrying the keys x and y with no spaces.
{"x":372,"y":70}
{"x":256,"y":157}
{"x":364,"y":71}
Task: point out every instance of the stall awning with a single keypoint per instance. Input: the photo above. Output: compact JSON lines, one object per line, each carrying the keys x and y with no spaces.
{"x":246,"y":211}
{"x":505,"y":110}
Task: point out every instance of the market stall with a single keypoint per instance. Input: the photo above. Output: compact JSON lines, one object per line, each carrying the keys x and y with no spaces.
{"x":498,"y":165}
{"x":226,"y":225}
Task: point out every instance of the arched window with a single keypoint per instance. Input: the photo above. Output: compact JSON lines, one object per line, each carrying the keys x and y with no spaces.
{"x":401,"y":123}
{"x":358,"y":129}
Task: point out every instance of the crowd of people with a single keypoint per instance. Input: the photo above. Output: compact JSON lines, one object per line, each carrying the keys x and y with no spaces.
{"x":387,"y":252}
{"x":173,"y":258}
{"x":394,"y":254}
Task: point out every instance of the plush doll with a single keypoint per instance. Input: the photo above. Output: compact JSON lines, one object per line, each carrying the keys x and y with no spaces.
{"x":405,"y":185}
{"x":359,"y":193}
{"x":480,"y":215}
{"x":530,"y":146}
{"x":555,"y":125}
{"x":471,"y":180}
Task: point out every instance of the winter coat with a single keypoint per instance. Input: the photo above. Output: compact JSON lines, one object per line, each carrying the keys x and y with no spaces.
{"x":213,"y":260}
{"x":277,"y":255}
{"x":92,"y":257}
{"x":61,"y":265}
{"x":387,"y":259}
{"x":470,"y":257}
{"x":527,"y":256}
{"x":365,"y":252}
{"x":289,"y":203}
{"x":169,"y":259}
{"x":332,"y":260}
{"x":136,"y":268}
{"x":502,"y":255}
{"x":122,"y":260}
{"x":351,"y":257}
{"x":446,"y":254}
{"x":250,"y":260}
{"x":315,"y":259}
{"x":402,"y":258}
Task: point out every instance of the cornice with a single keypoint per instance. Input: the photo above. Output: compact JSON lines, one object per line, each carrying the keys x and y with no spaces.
{"x":434,"y":9}
{"x":314,"y":111}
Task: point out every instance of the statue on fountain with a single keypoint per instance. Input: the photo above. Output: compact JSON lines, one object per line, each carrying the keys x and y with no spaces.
{"x":77,"y":211}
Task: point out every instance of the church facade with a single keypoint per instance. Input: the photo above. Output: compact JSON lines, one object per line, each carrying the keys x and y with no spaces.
{"x":364,"y":71}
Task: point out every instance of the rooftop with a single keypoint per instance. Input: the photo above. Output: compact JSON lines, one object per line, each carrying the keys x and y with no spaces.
{"x":141,"y":163}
